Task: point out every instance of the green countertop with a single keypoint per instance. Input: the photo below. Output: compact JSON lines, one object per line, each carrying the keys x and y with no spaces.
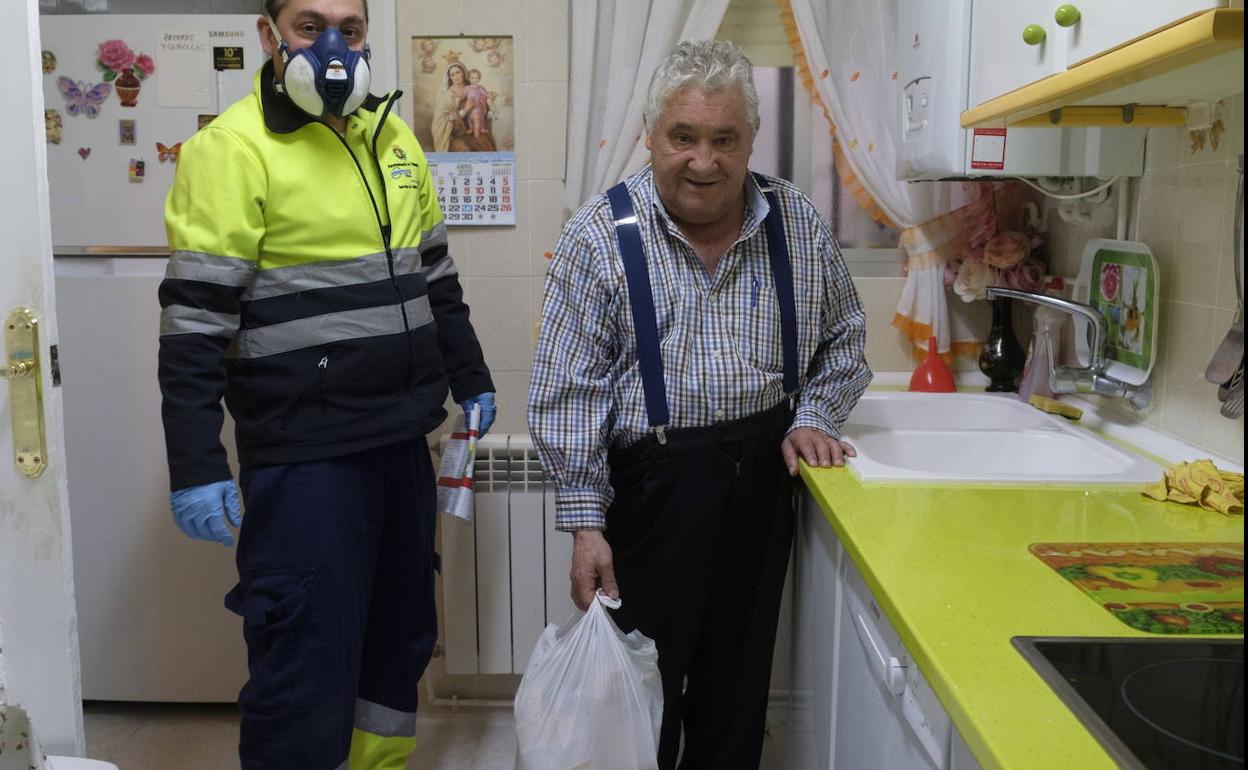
{"x":951,"y":569}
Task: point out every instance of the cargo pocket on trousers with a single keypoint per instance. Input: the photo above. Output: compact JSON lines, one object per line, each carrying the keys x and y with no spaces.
{"x":284,"y":649}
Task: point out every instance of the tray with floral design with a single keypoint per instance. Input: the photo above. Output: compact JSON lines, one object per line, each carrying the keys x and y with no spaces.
{"x":1119,"y":278}
{"x":1160,"y":588}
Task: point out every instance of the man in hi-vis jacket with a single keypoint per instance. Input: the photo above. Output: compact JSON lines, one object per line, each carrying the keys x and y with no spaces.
{"x":310,"y":284}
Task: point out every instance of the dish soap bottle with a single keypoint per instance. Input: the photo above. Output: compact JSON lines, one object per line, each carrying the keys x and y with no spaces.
{"x":933,"y":375}
{"x":1045,"y":349}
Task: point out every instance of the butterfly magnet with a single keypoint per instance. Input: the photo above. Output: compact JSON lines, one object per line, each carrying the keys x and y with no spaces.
{"x":170,"y":154}
{"x":81,"y":98}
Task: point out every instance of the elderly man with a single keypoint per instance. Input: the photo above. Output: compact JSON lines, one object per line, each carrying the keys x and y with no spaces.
{"x":700,"y":334}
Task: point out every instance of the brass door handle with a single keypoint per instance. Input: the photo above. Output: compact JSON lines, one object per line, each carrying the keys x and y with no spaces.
{"x":20,"y":367}
{"x":15,"y":369}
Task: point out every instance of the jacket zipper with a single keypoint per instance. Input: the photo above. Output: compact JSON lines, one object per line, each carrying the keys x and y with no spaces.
{"x":383,"y":228}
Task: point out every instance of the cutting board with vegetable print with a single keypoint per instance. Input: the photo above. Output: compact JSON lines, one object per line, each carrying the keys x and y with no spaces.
{"x":1161,"y":588}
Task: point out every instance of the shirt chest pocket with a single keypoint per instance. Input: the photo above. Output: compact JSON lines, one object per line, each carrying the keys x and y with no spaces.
{"x":756,"y":328}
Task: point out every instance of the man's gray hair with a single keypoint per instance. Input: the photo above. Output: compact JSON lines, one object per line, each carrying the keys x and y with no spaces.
{"x":709,"y":66}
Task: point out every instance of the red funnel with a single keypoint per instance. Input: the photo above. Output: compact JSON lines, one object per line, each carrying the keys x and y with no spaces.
{"x":933,"y":375}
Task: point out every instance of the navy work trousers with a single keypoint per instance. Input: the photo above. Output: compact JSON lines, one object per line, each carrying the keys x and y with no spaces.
{"x":700,"y":533}
{"x":335,"y":563}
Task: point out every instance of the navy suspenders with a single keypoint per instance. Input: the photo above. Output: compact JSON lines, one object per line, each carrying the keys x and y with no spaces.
{"x":641,"y":299}
{"x":782,"y":277}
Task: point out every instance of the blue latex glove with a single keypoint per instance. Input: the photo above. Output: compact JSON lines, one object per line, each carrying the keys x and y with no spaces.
{"x":488,"y":411}
{"x":201,"y":511}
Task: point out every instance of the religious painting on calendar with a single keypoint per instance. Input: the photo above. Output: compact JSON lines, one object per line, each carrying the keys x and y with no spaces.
{"x":463,"y":94}
{"x":464,"y":115}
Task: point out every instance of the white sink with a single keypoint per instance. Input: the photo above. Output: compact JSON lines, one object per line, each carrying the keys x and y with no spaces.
{"x":973,"y":437}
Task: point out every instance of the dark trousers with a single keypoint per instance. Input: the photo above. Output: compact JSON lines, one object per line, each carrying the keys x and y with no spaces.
{"x":335,"y":563}
{"x":701,"y":530}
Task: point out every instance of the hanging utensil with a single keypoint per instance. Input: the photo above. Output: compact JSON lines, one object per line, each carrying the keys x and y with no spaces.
{"x":1228,"y":358}
{"x":1233,"y":404}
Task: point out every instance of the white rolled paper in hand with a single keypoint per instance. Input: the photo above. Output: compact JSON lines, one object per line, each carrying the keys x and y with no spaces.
{"x":455,"y":471}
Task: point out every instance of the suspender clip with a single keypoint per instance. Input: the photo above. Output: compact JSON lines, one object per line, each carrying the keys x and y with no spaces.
{"x":660,"y":432}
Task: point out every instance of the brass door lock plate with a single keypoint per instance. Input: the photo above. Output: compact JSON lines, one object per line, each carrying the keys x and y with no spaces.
{"x":20,"y":368}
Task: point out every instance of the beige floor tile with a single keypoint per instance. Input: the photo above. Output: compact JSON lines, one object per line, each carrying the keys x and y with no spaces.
{"x":205,"y":737}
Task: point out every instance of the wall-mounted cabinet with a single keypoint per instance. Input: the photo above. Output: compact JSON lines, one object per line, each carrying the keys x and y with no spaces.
{"x":1014,"y":44}
{"x":1153,"y":58}
{"x":936,"y":58}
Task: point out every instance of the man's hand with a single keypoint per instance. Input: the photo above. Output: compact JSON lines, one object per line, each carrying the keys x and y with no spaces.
{"x":592,"y":568}
{"x":817,"y":448}
{"x":201,"y":511}
{"x":488,"y":412}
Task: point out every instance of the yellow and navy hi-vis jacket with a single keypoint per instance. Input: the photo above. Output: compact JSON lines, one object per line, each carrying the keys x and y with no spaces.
{"x":309,"y":282}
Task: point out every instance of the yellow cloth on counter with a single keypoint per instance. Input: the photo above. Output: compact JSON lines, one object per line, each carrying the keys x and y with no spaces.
{"x":1201,"y":483}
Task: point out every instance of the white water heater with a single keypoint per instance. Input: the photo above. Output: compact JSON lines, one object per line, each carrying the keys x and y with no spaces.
{"x":934,"y":56}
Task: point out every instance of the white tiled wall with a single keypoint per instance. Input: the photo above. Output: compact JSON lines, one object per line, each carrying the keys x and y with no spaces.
{"x":1183,"y":208}
{"x":502,"y":268}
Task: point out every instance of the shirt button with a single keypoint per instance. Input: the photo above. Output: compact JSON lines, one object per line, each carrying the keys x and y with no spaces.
{"x":719,"y":414}
{"x":715,"y":354}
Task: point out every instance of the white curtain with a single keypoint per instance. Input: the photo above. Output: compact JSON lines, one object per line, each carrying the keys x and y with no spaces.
{"x":851,"y":51}
{"x":616,"y":46}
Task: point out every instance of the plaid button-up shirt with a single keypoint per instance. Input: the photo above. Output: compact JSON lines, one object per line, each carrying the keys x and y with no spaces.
{"x":720,"y":338}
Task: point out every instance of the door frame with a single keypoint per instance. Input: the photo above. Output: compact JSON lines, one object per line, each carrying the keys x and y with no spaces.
{"x":39,"y":667}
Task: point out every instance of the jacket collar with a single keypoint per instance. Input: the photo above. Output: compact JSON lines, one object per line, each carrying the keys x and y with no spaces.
{"x":281,"y":116}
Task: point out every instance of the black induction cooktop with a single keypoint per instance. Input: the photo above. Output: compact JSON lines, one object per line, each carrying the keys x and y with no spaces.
{"x":1153,"y":704}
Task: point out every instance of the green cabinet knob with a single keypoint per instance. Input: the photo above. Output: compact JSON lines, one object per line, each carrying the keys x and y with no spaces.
{"x":1066,"y":15}
{"x":1033,"y":34}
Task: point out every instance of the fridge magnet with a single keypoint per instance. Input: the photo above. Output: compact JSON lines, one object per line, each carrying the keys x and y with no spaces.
{"x":84,"y":152}
{"x":203,"y":120}
{"x":465,"y":112}
{"x":125,"y":131}
{"x":49,"y":62}
{"x":170,"y":154}
{"x":122,"y":67}
{"x":53,"y":124}
{"x":81,"y":98}
{"x":137,"y":167}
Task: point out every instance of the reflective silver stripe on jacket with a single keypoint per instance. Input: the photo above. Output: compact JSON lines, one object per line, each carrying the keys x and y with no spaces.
{"x":181,"y":319}
{"x":383,"y":721}
{"x":443,"y":267}
{"x":331,"y":327}
{"x":210,"y":268}
{"x":333,"y":274}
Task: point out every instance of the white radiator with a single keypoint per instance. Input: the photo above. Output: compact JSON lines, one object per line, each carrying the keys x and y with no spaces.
{"x":505,"y":577}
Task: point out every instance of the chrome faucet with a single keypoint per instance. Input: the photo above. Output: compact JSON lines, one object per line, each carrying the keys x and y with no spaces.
{"x":1080,"y":379}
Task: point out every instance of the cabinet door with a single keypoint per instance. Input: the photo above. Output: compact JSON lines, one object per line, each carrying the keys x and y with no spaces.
{"x":1106,"y":24}
{"x":1001,"y":60}
{"x":816,"y":601}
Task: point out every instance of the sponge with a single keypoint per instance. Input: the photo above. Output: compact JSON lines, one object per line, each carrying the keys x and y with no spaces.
{"x":1053,"y":406}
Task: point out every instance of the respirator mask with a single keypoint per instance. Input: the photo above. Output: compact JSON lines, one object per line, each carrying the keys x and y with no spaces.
{"x":325,"y":78}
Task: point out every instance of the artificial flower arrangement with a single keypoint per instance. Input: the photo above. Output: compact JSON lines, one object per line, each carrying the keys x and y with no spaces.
{"x":119,"y":63}
{"x":993,"y":257}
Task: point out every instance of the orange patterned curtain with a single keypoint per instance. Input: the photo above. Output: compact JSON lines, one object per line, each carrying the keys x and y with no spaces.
{"x":849,"y":178}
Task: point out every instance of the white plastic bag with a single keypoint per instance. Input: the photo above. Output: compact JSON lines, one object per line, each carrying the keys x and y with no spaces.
{"x":592,"y":697}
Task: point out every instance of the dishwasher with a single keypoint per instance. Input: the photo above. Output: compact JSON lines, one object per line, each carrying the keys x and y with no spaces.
{"x":887,"y":715}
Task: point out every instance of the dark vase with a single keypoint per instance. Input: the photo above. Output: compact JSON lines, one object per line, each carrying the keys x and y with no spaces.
{"x":1002,"y":358}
